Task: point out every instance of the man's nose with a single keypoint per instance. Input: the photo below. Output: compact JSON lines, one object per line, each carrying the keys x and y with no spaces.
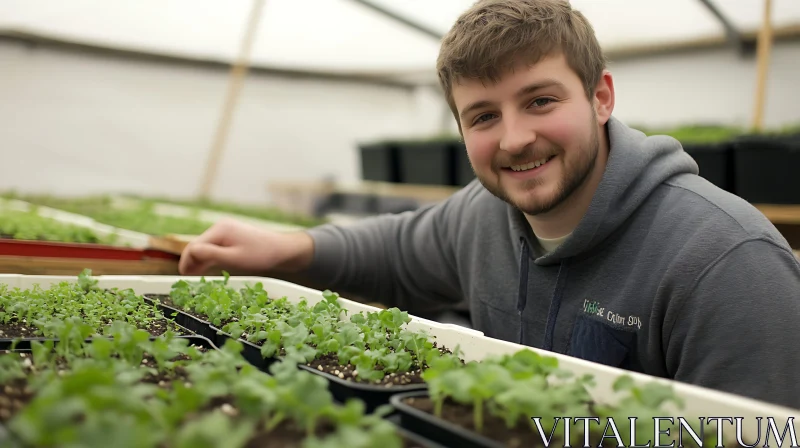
{"x":516,"y":136}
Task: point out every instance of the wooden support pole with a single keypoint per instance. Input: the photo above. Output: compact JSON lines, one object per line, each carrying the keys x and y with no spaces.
{"x":235,"y":81}
{"x":763,"y":57}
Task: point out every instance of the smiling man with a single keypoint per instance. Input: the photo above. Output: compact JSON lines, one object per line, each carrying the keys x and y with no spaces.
{"x":580,"y":235}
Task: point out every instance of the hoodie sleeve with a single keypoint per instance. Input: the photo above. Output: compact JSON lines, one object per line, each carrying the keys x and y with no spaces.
{"x":405,"y":260}
{"x":738,"y":329}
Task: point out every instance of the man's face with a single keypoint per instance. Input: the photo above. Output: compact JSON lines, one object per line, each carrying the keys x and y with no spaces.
{"x":532,"y":138}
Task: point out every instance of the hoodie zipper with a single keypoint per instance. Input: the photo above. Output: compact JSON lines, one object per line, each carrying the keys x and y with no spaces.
{"x":555,"y":305}
{"x":522,"y":296}
{"x":522,"y":291}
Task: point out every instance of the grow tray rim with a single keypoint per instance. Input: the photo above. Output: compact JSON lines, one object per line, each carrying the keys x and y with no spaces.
{"x":56,"y":249}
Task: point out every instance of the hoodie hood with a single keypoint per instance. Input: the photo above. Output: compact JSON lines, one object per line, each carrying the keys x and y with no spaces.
{"x":636,"y":165}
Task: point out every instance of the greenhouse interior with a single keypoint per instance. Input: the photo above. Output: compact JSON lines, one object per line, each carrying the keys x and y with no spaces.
{"x":385,"y":223}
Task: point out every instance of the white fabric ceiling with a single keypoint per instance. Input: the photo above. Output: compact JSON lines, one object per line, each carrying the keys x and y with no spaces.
{"x":342,"y":35}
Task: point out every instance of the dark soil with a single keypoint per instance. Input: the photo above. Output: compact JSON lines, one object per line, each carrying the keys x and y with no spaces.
{"x":409,"y":444}
{"x":329,"y":364}
{"x":521,"y":435}
{"x":14,"y":395}
{"x":288,"y":435}
{"x":159,"y":327}
{"x":16,"y":329}
{"x":166,"y":378}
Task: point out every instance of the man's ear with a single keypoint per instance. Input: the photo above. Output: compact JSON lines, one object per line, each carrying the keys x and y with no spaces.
{"x":604,"y":97}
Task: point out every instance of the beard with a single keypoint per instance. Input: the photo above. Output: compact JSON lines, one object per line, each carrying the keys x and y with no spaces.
{"x":574,"y":175}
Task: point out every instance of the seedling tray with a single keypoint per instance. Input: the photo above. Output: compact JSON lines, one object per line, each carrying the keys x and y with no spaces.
{"x":436,"y":429}
{"x":47,"y":257}
{"x":700,"y":402}
{"x":24,"y":345}
{"x":417,"y":440}
{"x":373,"y":396}
{"x":197,"y":326}
{"x":30,"y":248}
{"x":342,"y":388}
{"x":251,"y":352}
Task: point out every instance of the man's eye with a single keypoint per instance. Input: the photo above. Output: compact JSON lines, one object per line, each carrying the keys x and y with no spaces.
{"x":541,"y":102}
{"x":483,"y":117}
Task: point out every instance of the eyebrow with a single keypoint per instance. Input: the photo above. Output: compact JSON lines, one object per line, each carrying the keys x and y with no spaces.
{"x":527,"y":90}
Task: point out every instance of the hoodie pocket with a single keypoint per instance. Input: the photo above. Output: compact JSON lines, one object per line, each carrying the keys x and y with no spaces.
{"x":598,"y":342}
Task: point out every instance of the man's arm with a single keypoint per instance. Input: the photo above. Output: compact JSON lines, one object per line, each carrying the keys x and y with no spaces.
{"x":406,"y":260}
{"x":738,"y":328}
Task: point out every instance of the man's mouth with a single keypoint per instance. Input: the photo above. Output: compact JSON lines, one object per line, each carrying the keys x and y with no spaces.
{"x":531,"y":165}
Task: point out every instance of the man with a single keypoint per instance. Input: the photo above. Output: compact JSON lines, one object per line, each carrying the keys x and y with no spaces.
{"x":580,"y":236}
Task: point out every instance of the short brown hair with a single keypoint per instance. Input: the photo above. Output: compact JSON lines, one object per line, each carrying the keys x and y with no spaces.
{"x":494,"y":35}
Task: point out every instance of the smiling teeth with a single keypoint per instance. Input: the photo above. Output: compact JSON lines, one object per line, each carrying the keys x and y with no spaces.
{"x":534,"y":164}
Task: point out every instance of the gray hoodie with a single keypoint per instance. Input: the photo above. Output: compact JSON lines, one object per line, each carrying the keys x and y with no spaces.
{"x":666,"y":274}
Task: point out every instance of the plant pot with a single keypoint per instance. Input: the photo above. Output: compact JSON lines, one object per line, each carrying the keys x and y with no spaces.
{"x":715,"y":161}
{"x":463,"y":169}
{"x":426,"y":163}
{"x":766,"y":168}
{"x":379,"y":163}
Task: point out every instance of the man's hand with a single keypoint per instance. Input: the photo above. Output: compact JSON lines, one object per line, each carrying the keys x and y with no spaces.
{"x":245,"y":249}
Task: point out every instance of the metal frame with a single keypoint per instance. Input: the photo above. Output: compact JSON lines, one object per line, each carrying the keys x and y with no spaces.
{"x":744,"y":46}
{"x":398,"y":18}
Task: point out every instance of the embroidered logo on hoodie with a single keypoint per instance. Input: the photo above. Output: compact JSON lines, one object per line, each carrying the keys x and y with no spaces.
{"x":593,"y":308}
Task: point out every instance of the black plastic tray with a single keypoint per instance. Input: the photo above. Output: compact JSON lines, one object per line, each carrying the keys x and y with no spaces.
{"x":436,"y":429}
{"x":417,"y":440}
{"x":766,"y":168}
{"x":372,"y":396}
{"x":24,"y":345}
{"x":251,"y":352}
{"x":5,"y":343}
{"x":7,"y":439}
{"x":197,"y":326}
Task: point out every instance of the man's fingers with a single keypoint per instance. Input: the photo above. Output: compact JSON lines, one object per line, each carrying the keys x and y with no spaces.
{"x":193,"y":269}
{"x":199,"y":257}
{"x":188,"y":265}
{"x":216,"y":234}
